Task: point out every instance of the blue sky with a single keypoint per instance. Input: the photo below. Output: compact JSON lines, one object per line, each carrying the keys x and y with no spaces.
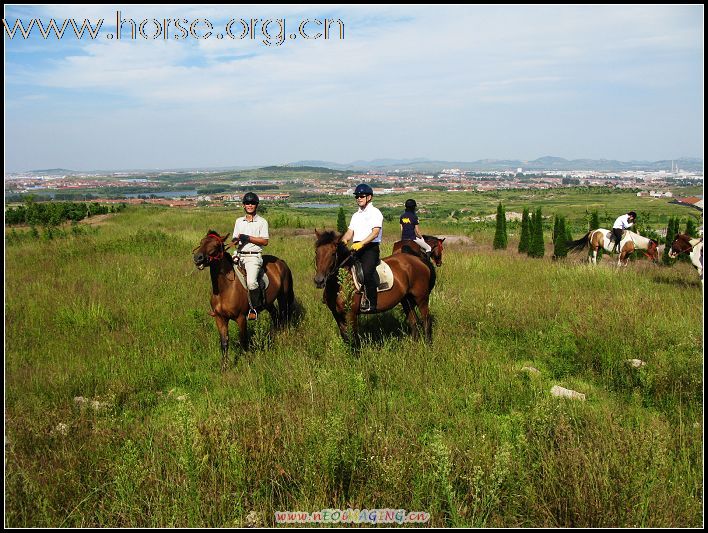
{"x":440,"y":82}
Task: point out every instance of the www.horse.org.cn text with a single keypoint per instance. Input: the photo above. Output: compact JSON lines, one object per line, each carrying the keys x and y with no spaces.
{"x":271,"y":32}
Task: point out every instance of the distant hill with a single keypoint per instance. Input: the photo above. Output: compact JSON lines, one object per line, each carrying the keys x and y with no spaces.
{"x":52,"y":171}
{"x":542,"y":163}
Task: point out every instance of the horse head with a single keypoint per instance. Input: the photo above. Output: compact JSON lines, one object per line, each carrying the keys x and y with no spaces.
{"x":681,"y":245}
{"x":211,"y":248}
{"x":653,"y":250}
{"x":436,"y":248}
{"x":329,"y":252}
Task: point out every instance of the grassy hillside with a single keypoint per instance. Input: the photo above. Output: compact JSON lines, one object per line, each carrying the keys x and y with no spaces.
{"x":117,"y":413}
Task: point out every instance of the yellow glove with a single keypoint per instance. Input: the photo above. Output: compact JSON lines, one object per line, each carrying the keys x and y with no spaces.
{"x":357,"y":246}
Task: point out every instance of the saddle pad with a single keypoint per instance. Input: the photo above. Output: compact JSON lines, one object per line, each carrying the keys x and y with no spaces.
{"x":385,"y":278}
{"x":263,"y":281}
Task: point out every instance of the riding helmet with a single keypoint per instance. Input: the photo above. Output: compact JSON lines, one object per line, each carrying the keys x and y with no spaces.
{"x":250,"y":198}
{"x":410,"y":205}
{"x":364,"y":189}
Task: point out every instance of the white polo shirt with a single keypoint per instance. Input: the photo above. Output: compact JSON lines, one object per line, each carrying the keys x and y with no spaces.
{"x":623,"y":222}
{"x":364,"y":221}
{"x":256,"y":228}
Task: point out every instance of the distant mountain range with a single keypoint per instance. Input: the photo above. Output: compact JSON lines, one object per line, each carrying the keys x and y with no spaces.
{"x":542,"y":163}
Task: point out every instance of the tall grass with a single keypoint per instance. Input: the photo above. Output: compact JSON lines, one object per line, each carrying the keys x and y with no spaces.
{"x":118,"y":316}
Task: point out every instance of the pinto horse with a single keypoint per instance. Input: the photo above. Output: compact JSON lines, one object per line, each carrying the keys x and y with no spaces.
{"x":229,"y":298}
{"x":435,"y":244}
{"x":630,"y":241}
{"x":413,"y":281}
{"x":685,"y":244}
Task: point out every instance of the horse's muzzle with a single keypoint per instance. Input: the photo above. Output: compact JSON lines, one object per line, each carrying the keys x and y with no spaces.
{"x":319,"y":281}
{"x":199,"y":261}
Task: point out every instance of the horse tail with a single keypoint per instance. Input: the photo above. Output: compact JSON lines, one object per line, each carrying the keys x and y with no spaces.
{"x":290,"y":295}
{"x":433,"y":274}
{"x":576,"y":246}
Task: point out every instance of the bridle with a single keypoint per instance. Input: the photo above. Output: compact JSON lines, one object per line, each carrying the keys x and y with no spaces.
{"x":335,"y":268}
{"x":222,"y":248}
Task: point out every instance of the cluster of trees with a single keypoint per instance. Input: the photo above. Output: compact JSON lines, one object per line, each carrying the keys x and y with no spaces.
{"x":531,"y":241}
{"x":54,"y":213}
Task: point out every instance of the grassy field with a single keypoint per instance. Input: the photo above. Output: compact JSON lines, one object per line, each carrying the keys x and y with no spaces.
{"x":117,"y":413}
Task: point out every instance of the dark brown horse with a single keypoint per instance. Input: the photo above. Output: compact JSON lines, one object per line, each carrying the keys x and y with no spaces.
{"x":413,"y":281}
{"x":693,"y":246}
{"x":435,"y":244}
{"x":229,"y":299}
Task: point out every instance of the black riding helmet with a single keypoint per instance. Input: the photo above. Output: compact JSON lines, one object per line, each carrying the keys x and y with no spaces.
{"x":250,"y":198}
{"x":410,"y":205}
{"x":364,"y":189}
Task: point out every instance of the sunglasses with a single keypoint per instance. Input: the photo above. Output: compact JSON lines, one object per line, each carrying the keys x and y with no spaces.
{"x":249,"y":203}
{"x":360,"y":196}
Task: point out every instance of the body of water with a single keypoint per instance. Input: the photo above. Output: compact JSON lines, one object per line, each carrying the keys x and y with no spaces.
{"x":168,"y":194}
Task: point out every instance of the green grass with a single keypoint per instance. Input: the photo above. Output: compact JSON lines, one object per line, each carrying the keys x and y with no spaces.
{"x":118,"y":315}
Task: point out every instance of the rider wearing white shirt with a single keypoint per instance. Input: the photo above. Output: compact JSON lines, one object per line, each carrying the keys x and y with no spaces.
{"x":366,"y":231}
{"x":622,"y":223}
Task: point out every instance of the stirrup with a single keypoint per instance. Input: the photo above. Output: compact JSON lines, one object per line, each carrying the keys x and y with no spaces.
{"x":252,"y":314}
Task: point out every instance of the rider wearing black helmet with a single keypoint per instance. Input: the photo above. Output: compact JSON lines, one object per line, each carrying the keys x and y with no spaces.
{"x":250,"y":235}
{"x":409,"y":226}
{"x":365,"y":229}
{"x":622,"y":223}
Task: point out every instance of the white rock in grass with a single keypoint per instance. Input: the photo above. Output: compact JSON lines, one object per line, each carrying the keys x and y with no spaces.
{"x":80,"y":401}
{"x":636,"y":363}
{"x":61,"y":429}
{"x":567,"y":393}
{"x":530,"y":370}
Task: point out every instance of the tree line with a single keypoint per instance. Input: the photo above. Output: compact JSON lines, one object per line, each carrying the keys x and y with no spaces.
{"x":54,"y":213}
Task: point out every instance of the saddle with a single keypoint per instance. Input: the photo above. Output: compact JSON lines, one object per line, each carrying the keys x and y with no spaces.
{"x":382,"y":269}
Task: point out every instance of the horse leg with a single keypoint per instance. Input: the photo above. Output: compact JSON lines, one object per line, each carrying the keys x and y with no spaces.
{"x":242,"y":332}
{"x":274,"y":316}
{"x":593,"y":258}
{"x":422,"y":304}
{"x":408,"y":308}
{"x":427,"y":320}
{"x":222,"y":324}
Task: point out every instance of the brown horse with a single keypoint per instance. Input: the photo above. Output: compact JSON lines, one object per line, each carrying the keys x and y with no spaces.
{"x":229,"y":298}
{"x":435,"y":244}
{"x":413,"y":281}
{"x":685,"y":244}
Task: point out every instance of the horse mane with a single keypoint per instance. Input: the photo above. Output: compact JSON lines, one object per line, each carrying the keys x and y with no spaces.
{"x":327,"y":237}
{"x":214,"y":232}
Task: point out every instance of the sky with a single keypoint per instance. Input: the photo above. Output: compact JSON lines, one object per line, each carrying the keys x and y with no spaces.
{"x":454,"y":83}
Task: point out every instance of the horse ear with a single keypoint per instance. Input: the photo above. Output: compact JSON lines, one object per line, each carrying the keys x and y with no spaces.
{"x":443,"y":239}
{"x":317,"y":233}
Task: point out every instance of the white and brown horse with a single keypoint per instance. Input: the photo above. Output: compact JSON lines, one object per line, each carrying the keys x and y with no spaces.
{"x":630,"y":241}
{"x":685,"y":244}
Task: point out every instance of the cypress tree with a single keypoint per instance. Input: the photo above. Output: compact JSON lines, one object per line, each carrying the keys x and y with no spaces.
{"x":537,"y":248}
{"x":594,"y":221}
{"x":525,"y":232}
{"x":500,"y":238}
{"x":559,"y":244}
{"x":670,"y":236}
{"x":341,"y":221}
{"x":691,"y":229}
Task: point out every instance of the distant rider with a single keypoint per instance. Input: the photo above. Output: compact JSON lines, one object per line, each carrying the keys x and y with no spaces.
{"x":250,"y":235}
{"x":409,"y":227}
{"x":366,"y":230}
{"x":622,"y":223}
